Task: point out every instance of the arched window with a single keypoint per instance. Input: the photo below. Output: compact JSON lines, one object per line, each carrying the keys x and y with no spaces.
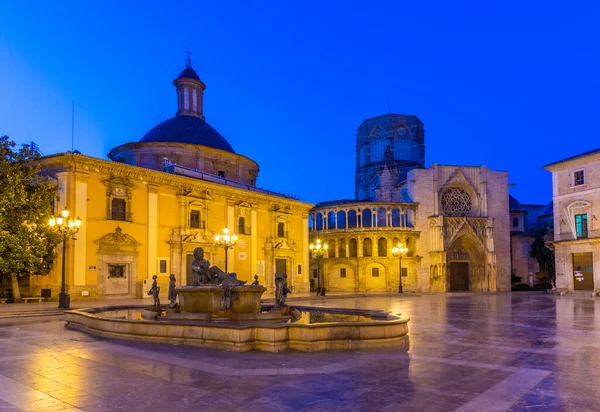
{"x":331,"y":249}
{"x":396,"y":217}
{"x":410,"y":245}
{"x":352,"y":219}
{"x":382,"y":247}
{"x":352,"y":247}
{"x":242,"y":225}
{"x":366,"y":218}
{"x":331,"y":220}
{"x":367,"y":247}
{"x":311,"y":224}
{"x":319,"y":223}
{"x":341,"y":219}
{"x":342,"y":248}
{"x":381,"y":217}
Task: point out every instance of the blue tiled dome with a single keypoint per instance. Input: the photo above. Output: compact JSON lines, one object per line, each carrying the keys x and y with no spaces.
{"x":187,"y":129}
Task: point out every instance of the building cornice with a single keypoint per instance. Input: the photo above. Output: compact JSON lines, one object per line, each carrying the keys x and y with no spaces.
{"x":67,"y":162}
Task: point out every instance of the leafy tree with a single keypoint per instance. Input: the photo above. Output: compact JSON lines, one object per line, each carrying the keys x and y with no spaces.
{"x":27,"y":243}
{"x":544,"y":256}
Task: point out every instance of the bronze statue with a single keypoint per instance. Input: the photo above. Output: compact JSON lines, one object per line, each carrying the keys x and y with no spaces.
{"x":200,"y":268}
{"x":281,"y":290}
{"x":154,"y":291}
{"x":229,"y":283}
{"x":204,"y":274}
{"x":255,"y":283}
{"x":172,"y":292}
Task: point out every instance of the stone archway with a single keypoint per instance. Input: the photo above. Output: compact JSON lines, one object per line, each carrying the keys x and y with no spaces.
{"x":465,"y":262}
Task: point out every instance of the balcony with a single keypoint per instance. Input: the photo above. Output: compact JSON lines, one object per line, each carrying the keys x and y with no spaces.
{"x":194,"y":224}
{"x":561,"y":237}
{"x":244,"y":230}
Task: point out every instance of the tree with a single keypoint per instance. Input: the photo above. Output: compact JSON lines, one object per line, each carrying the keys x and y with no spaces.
{"x":544,"y":256}
{"x":27,"y":243}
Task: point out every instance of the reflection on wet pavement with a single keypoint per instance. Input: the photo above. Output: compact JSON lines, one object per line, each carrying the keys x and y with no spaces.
{"x":468,"y":352}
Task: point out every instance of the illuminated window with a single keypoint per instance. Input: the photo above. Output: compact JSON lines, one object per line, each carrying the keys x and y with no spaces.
{"x":581,"y":226}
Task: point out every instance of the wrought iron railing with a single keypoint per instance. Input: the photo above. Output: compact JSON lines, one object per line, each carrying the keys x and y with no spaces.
{"x":244,"y":230}
{"x":558,"y":237}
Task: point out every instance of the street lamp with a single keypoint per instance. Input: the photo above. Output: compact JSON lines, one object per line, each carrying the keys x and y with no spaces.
{"x":399,"y":251}
{"x":66,"y":226}
{"x":317,"y":249}
{"x":226,"y":241}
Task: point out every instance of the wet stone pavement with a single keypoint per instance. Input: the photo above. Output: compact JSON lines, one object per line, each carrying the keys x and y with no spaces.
{"x":465,"y":352}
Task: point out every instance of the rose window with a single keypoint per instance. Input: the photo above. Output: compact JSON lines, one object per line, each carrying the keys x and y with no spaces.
{"x":456,"y":202}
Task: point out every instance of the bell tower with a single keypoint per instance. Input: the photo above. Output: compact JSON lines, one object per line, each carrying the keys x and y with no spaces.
{"x":190,"y":92}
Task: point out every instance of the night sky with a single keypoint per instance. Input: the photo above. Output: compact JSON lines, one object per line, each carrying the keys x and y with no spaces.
{"x":513,"y":85}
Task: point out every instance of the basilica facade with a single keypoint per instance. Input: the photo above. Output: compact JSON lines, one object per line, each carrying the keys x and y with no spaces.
{"x":146,"y":209}
{"x":453,"y":220}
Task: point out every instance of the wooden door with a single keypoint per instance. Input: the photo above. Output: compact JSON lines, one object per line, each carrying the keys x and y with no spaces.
{"x":281,"y":266}
{"x":459,"y":276}
{"x":189,"y":276}
{"x":583,"y":271}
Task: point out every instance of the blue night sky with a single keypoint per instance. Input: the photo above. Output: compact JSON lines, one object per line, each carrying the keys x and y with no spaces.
{"x":513,"y":85}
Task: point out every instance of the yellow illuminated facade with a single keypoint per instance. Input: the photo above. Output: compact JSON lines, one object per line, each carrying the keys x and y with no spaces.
{"x":146,"y":210}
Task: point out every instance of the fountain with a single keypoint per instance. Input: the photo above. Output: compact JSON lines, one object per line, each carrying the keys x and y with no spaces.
{"x":220,"y":311}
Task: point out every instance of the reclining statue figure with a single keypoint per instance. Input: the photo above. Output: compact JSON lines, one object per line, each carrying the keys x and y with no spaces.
{"x":203,"y":273}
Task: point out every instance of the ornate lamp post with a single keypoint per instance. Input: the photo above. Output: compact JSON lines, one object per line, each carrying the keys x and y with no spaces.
{"x":399,"y":251}
{"x":226,"y":241}
{"x":67,"y":227}
{"x":318,"y":250}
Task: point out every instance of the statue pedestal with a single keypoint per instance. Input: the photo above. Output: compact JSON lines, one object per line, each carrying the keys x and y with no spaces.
{"x":207,"y":299}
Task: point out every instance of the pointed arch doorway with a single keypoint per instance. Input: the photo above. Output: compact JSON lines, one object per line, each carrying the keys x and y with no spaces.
{"x":466,"y":265}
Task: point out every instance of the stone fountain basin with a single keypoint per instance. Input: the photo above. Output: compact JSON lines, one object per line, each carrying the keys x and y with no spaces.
{"x":381,"y":331}
{"x":207,"y":299}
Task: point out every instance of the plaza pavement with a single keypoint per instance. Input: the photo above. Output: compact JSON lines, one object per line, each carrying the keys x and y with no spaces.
{"x":466,"y":352}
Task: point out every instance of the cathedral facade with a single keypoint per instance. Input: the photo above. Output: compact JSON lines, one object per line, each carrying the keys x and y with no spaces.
{"x":453,"y":220}
{"x":146,"y":209}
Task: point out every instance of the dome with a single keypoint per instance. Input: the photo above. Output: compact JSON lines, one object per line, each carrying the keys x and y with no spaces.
{"x":189,"y":73}
{"x":187,"y":129}
{"x":513,"y":204}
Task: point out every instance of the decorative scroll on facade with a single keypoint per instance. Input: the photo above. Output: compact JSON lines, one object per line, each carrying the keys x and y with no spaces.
{"x":456,"y":202}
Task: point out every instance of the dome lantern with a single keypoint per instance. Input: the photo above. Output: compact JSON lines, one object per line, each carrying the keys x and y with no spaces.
{"x":190,"y":91}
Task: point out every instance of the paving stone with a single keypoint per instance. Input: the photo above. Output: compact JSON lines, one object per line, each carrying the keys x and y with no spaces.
{"x":469,"y":352}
